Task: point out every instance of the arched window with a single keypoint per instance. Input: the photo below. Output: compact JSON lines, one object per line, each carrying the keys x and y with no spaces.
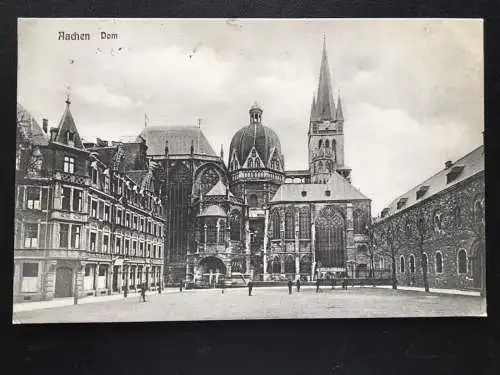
{"x":478,"y":209}
{"x":412,"y":264}
{"x":289,"y":264}
{"x":305,"y":264}
{"x":320,"y":143}
{"x":437,"y":220}
{"x":250,"y":163}
{"x":304,"y":223}
{"x":330,"y":238}
{"x":462,"y":261}
{"x":359,"y":222}
{"x":222,"y":231}
{"x":253,"y":201}
{"x":276,"y":224}
{"x":211,"y":225}
{"x":276,"y":265}
{"x":289,"y":223}
{"x":235,"y":226}
{"x":327,"y":144}
{"x":402,"y":264}
{"x":439,"y":262}
{"x":381,"y":263}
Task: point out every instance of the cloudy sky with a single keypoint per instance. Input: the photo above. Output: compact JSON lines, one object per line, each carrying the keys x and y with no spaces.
{"x":412,"y":90}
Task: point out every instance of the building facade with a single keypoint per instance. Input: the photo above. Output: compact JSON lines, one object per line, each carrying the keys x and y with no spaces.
{"x":438,"y":229}
{"x":82,"y":225}
{"x":253,"y":217}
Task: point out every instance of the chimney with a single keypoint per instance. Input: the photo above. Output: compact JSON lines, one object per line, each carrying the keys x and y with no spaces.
{"x":448,"y":164}
{"x":53,"y":133}
{"x":45,"y":125}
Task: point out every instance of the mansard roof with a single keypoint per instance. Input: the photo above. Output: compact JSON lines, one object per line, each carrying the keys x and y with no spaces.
{"x":464,"y":168}
{"x":336,"y":189}
{"x":180,"y":139}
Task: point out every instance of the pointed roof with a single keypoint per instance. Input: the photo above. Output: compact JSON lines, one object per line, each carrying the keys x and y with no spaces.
{"x":29,"y":128}
{"x":67,"y":124}
{"x":219,"y":189}
{"x":339,"y":190}
{"x":339,"y":115}
{"x":325,"y":107}
{"x":313,"y":108}
{"x":213,"y":211}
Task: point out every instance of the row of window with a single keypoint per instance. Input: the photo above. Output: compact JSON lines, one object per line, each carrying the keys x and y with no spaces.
{"x":121,"y":188}
{"x":461,"y":262}
{"x":100,"y":242}
{"x":304,"y":224}
{"x":70,"y":237}
{"x":101,"y":210}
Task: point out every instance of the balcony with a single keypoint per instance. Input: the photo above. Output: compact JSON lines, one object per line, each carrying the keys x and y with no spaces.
{"x":66,"y":215}
{"x":72,"y":178}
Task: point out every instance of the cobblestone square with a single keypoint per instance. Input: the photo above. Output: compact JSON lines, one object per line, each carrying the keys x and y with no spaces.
{"x":265,"y":303}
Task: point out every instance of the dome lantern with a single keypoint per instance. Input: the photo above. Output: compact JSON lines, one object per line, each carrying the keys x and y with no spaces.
{"x":255,"y":114}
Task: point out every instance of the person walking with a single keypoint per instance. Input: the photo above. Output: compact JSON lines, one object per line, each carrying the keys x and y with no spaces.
{"x":125,"y":291}
{"x":318,"y":283}
{"x":250,"y":286}
{"x":143,"y":293}
{"x":290,"y":286}
{"x":298,"y":284}
{"x":180,"y":286}
{"x":333,"y":282}
{"x":159,"y":288}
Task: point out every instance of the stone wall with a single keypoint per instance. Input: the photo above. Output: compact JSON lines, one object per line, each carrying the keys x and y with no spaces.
{"x":456,"y":231}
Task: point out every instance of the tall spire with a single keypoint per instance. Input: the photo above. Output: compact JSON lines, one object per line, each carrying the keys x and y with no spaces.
{"x":339,"y":116}
{"x":325,"y":107}
{"x":67,"y":132}
{"x":313,"y":108}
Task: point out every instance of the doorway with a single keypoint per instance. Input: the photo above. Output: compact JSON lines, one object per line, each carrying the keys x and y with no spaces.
{"x":64,"y":282}
{"x":115,"y":278}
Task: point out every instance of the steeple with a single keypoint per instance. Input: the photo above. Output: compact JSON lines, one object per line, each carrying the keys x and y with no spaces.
{"x":339,"y":116}
{"x":313,"y":108}
{"x":67,"y":133}
{"x":325,"y":107}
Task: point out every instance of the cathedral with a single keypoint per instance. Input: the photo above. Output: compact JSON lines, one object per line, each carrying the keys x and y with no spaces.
{"x":252,"y":218}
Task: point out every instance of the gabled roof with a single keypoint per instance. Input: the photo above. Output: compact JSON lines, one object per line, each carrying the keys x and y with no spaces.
{"x":472,"y":164}
{"x":219,"y":189}
{"x":339,"y":188}
{"x":67,"y":124}
{"x":31,"y":131}
{"x":213,"y":210}
{"x":180,"y":139}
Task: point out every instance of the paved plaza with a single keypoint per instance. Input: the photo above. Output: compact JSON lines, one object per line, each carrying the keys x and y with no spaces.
{"x":265,"y":303}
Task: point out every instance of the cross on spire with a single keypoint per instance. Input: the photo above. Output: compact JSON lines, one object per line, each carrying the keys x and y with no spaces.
{"x":68,"y":94}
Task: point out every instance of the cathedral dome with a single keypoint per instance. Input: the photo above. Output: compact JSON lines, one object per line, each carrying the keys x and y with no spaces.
{"x":255,"y":135}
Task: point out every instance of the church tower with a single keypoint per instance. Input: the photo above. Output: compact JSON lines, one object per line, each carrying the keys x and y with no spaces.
{"x":326,"y":130}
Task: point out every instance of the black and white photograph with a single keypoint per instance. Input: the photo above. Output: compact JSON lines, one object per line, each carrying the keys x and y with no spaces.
{"x":234,"y":169}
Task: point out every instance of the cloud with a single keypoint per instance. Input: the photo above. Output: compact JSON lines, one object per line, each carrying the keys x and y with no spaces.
{"x":100,"y":96}
{"x":412,"y":90}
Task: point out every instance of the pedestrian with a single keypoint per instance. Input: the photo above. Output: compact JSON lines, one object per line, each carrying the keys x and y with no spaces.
{"x":318,"y":283}
{"x":125,"y":291}
{"x":180,"y":286}
{"x":333,"y":282}
{"x":298,"y":285}
{"x":223,"y":286}
{"x":143,"y":293}
{"x":290,"y":286}
{"x":250,"y":286}
{"x":159,"y":288}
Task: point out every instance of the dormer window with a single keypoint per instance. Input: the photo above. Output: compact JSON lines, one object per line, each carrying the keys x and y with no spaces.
{"x":401,"y":203}
{"x":70,"y":138}
{"x":328,"y":193}
{"x":454,"y":173}
{"x":304,"y":193}
{"x":422,"y":191}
